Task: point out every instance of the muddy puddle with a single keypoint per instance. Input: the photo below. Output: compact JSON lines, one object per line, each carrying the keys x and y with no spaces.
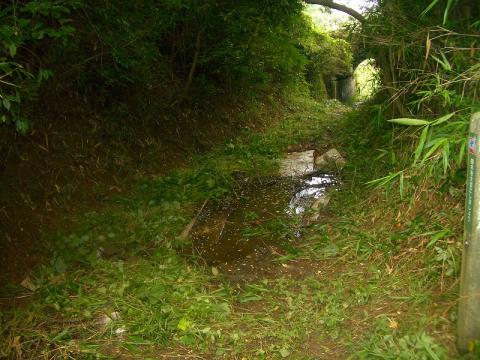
{"x":244,"y":230}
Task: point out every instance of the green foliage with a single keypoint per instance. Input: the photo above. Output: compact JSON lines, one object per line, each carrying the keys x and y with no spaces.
{"x":170,"y":51}
{"x":429,"y":71}
{"x":118,"y":282}
{"x":25,"y":28}
{"x":367,"y":79}
{"x":123,"y":278}
{"x":242,"y":44}
{"x":328,"y":57}
{"x":416,"y":347}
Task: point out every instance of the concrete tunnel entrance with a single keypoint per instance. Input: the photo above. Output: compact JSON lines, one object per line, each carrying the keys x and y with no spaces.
{"x":359,"y":85}
{"x":342,"y":87}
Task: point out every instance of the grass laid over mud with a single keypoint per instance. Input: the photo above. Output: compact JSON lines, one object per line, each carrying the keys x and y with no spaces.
{"x":374,"y":278}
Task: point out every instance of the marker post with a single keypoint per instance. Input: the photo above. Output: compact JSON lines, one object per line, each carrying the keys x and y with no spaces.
{"x":469,"y":303}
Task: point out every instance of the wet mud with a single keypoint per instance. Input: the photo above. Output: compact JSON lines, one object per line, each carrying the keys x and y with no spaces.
{"x":247,"y":228}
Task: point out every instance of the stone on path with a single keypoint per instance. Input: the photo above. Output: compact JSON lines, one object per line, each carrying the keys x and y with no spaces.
{"x":298,"y":164}
{"x":321,"y":202}
{"x":330,"y":161}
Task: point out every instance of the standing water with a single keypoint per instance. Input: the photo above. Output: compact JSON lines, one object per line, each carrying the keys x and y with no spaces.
{"x":262,"y":214}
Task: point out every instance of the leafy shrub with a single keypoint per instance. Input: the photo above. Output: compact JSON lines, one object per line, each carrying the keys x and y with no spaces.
{"x":175,"y":50}
{"x":430,"y":73}
{"x":28,"y":27}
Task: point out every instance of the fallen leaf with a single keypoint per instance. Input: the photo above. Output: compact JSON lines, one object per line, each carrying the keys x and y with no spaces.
{"x":17,"y":346}
{"x":183,"y":324}
{"x":392,"y":324}
{"x":284,"y":353}
{"x":28,"y":284}
{"x":389,"y":269}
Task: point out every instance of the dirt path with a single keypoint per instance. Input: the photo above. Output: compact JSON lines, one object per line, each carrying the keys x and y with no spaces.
{"x":360,"y":281}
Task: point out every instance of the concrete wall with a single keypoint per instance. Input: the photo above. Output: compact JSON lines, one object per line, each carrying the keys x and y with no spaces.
{"x":341,"y":88}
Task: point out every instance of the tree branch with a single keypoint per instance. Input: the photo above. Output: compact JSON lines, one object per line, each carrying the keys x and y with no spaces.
{"x":194,"y":63}
{"x":332,"y":5}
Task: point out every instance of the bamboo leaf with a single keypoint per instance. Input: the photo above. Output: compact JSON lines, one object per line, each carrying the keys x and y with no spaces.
{"x":409,"y":121}
{"x":384,"y":180}
{"x":421,"y":144}
{"x":445,"y":60}
{"x":445,"y":64}
{"x":446,"y":158}
{"x":13,"y":50}
{"x":461,"y":153}
{"x":447,"y":11}
{"x":428,"y":46}
{"x":439,"y":142}
{"x":379,"y":181}
{"x":442,"y":119}
{"x":388,"y":181}
{"x":429,"y":7}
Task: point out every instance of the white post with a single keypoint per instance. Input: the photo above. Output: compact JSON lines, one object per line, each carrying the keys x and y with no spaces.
{"x":469,"y":303}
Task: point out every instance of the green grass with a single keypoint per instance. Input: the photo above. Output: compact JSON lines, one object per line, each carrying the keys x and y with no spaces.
{"x":374,"y":279}
{"x":125,"y":260}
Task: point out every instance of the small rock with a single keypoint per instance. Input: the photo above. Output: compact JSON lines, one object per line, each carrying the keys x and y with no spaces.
{"x":106,"y":319}
{"x":298,"y":164}
{"x":331,"y":160}
{"x":115,"y":315}
{"x":322,"y":201}
{"x":121,"y":331}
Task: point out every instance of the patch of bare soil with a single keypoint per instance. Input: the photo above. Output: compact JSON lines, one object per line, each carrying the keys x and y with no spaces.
{"x":317,"y":347}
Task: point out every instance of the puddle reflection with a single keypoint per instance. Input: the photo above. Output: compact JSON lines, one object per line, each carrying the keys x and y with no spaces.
{"x":312,"y":188}
{"x":248,"y":224}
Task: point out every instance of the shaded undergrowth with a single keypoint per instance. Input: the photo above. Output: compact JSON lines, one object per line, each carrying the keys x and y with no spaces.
{"x":374,"y":278}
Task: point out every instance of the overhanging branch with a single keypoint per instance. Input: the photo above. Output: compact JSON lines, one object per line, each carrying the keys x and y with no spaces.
{"x":332,"y":5}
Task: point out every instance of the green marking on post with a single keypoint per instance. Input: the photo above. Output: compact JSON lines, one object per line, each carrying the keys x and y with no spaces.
{"x":469,"y":302}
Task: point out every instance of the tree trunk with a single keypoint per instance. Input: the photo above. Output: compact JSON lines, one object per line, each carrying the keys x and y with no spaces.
{"x":194,"y":63}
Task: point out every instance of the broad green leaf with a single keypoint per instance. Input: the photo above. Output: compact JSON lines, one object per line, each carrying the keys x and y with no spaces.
{"x":428,"y":8}
{"x":187,"y":339}
{"x":12,"y":50}
{"x":446,"y":158}
{"x":59,"y":265}
{"x":442,"y":119}
{"x":210,"y":183}
{"x":184,"y":324}
{"x":409,"y":121}
{"x":438,"y":142}
{"x":6,"y":103}
{"x":437,"y":236}
{"x":445,"y":64}
{"x":22,"y":126}
{"x":421,"y":144}
{"x":447,"y":11}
